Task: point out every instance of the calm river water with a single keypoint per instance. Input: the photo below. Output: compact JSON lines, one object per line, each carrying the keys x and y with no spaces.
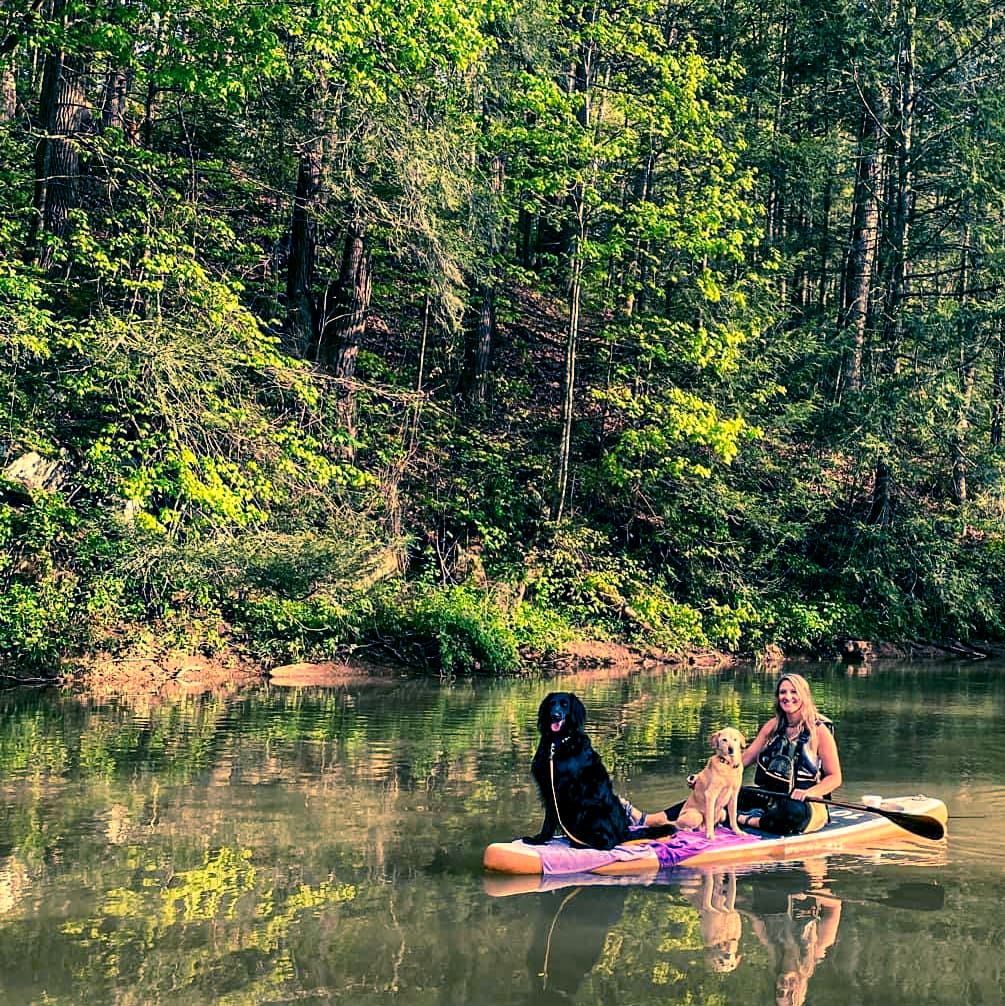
{"x":324,"y":846}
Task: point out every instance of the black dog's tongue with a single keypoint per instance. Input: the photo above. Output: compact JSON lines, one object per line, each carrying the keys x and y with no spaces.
{"x":557,"y":725}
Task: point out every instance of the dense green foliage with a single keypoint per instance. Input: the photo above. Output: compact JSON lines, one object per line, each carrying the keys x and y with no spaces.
{"x":448,"y":329}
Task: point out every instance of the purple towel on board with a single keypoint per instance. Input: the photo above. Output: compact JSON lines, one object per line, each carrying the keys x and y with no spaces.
{"x":686,"y":844}
{"x":558,"y":857}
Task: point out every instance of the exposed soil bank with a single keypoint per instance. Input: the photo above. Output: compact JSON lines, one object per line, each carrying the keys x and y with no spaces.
{"x":169,"y":676}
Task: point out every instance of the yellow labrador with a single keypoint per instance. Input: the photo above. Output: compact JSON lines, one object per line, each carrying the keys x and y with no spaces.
{"x":717,"y":786}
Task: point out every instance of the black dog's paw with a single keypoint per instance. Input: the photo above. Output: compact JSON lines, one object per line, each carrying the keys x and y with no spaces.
{"x":536,"y":839}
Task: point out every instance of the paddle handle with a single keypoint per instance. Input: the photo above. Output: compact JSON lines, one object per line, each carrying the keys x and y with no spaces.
{"x":757,"y":791}
{"x":923,"y":825}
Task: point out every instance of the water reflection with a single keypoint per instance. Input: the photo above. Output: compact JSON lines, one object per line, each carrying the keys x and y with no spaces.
{"x":714,"y":898}
{"x":574,"y":917}
{"x":797,"y":923}
{"x":325,"y":846}
{"x":568,"y":938}
{"x":793,"y":913}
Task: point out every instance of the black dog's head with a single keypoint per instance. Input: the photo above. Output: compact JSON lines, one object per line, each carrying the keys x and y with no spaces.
{"x":560,"y":714}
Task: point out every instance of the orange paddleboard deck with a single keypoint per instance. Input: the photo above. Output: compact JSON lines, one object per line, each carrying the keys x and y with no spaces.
{"x":846,"y":829}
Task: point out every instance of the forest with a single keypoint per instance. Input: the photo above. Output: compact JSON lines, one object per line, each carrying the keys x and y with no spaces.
{"x":447,"y":332}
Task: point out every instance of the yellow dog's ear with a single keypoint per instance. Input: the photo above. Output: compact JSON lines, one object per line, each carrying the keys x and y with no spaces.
{"x":714,"y":739}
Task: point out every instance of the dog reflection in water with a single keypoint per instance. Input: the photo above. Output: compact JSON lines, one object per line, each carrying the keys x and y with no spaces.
{"x":570,"y":929}
{"x":721,"y":925}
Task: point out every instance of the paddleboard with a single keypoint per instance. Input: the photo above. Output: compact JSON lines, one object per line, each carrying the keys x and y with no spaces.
{"x":846,"y":829}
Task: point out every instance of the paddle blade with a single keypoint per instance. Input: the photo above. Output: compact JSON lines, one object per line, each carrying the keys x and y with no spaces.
{"x":917,"y":824}
{"x":917,"y":896}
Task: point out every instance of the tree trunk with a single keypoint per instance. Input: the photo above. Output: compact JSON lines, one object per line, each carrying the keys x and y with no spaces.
{"x":958,"y":443}
{"x":300,"y":324}
{"x":113,"y":100}
{"x":341,"y":320}
{"x":8,"y":93}
{"x":525,"y":238}
{"x":900,"y":197}
{"x":881,"y":511}
{"x":146,"y":131}
{"x":568,"y":386}
{"x":57,"y":163}
{"x":776,"y":201}
{"x":479,"y":344}
{"x":900,"y":202}
{"x":637,"y":271}
{"x":824,"y":278}
{"x":861,"y":258}
{"x":964,"y":322}
{"x":998,"y":387}
{"x":582,"y":75}
{"x":478,"y":350}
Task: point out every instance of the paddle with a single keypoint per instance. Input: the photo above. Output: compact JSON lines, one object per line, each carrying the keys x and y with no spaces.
{"x":918,"y":896}
{"x":922,"y":825}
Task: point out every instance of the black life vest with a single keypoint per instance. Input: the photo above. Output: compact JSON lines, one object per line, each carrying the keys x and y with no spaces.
{"x":784,"y":765}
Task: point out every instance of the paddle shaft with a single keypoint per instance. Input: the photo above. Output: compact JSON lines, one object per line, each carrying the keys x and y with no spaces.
{"x":922,"y":825}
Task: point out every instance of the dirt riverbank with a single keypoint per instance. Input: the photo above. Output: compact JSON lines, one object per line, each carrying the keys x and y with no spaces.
{"x":167,"y":676}
{"x":170,"y":675}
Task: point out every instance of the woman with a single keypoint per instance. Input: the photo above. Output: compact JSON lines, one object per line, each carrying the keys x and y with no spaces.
{"x":796,"y":756}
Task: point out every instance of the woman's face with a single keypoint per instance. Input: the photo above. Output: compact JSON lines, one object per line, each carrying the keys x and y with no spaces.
{"x":788,"y":699}
{"x":790,"y":989}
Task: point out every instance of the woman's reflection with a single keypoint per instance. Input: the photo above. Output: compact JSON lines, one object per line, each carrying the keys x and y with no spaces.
{"x":797,"y":927}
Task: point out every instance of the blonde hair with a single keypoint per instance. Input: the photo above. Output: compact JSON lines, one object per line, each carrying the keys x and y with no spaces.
{"x":793,"y":992}
{"x":809,"y":713}
{"x":796,"y":994}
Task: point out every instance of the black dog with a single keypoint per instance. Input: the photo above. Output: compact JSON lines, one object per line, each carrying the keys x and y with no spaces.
{"x":575,"y":788}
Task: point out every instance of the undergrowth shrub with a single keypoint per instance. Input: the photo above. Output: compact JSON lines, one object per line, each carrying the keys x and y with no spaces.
{"x":33,"y":624}
{"x":809,"y":626}
{"x":609,"y":594}
{"x":455,"y":629}
{"x":461,"y":629}
{"x":285,"y":630}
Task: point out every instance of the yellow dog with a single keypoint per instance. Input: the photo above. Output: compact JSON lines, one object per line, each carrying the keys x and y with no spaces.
{"x":717,"y":785}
